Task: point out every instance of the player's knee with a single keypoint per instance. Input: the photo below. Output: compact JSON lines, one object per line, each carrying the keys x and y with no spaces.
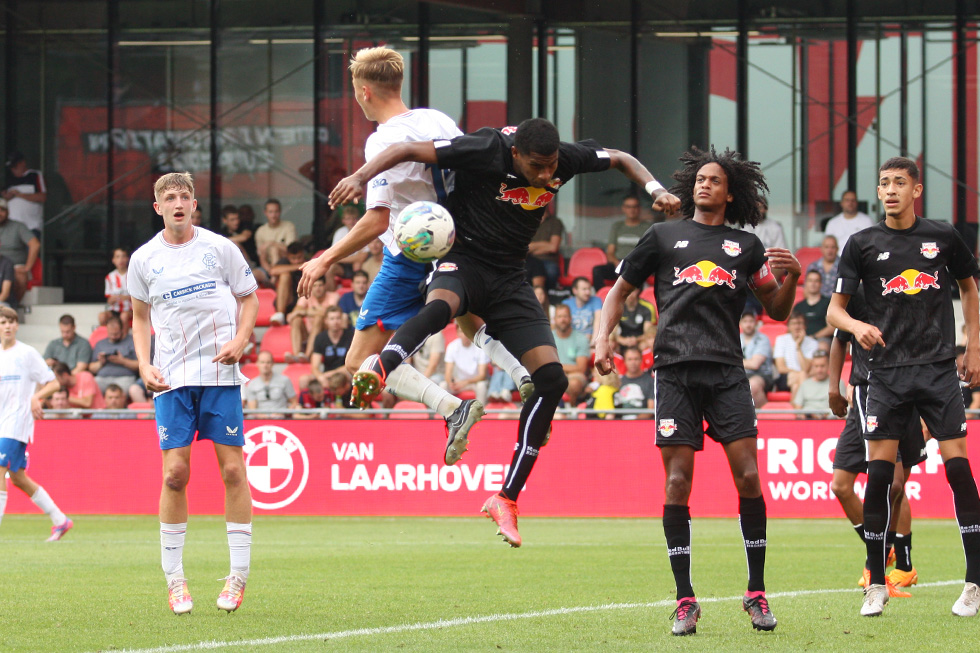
{"x":747,"y":481}
{"x":550,"y":381}
{"x":842,"y":488}
{"x":437,"y":312}
{"x":176,"y":477}
{"x":677,"y":488}
{"x":233,"y":474}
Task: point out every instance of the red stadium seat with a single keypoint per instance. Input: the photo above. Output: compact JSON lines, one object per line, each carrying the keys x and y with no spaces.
{"x":647,"y":294}
{"x":449,"y":333}
{"x":467,"y":394}
{"x":778,"y":396}
{"x":276,"y":341}
{"x":98,"y":333}
{"x":603,"y":292}
{"x":250,"y":370}
{"x":806,"y":256}
{"x":581,"y":264}
{"x":772,"y":330}
{"x":295,"y":370}
{"x":506,"y":406}
{"x":267,"y":306}
{"x":146,"y":408}
{"x":778,"y":405}
{"x":37,"y":274}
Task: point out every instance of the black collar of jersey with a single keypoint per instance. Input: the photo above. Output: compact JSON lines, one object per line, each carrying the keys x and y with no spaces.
{"x":892,"y":230}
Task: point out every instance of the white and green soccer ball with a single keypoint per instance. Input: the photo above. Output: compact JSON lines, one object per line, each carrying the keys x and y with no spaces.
{"x":425,"y":231}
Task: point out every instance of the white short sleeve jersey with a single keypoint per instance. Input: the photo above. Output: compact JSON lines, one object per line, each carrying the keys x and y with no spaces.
{"x":21,"y":369}
{"x":192,"y":290}
{"x":408,"y":182}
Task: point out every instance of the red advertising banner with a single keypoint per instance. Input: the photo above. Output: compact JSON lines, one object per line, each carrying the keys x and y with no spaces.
{"x":394,"y":467}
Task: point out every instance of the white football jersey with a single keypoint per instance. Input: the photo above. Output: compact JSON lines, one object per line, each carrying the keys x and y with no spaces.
{"x":409,"y":181}
{"x":192,"y":290}
{"x":21,"y":369}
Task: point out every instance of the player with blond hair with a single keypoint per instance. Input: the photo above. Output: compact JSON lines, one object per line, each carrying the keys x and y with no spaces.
{"x":196,"y":290}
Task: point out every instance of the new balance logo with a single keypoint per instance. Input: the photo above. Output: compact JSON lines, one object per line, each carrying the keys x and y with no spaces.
{"x":680,"y":244}
{"x":231,"y":431}
{"x":884,"y":256}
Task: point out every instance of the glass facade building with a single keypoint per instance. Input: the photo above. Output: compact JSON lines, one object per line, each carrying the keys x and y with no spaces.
{"x":253,"y":97}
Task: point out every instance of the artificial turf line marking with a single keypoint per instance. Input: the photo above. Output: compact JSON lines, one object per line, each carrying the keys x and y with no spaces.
{"x":466,"y":621}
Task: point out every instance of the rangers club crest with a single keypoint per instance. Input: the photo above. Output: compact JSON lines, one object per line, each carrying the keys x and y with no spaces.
{"x":210,"y":261}
{"x":929,"y":250}
{"x":872,"y":423}
{"x":277,"y":466}
{"x":667,"y":427}
{"x":731,"y":248}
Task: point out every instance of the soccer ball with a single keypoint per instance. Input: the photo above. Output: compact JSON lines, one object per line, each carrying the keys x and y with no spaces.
{"x":424,"y":231}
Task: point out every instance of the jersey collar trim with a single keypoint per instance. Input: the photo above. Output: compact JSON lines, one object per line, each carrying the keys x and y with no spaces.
{"x":172,"y":246}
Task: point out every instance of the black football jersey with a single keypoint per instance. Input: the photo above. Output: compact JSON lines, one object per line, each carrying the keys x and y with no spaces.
{"x":702,"y":276}
{"x":907,"y":276}
{"x":857,"y":309}
{"x":496,"y":211}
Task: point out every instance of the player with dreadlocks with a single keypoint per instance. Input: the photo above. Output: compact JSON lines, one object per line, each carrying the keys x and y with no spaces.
{"x":703,"y":270}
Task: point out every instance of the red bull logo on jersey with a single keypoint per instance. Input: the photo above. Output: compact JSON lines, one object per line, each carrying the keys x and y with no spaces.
{"x":528,"y":197}
{"x":910,"y":282}
{"x":705,"y":274}
{"x":929,"y":250}
{"x":667,"y":427}
{"x":731,"y":248}
{"x":872,"y":423}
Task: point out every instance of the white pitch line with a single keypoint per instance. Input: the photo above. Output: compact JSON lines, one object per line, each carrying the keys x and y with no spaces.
{"x":490,"y":618}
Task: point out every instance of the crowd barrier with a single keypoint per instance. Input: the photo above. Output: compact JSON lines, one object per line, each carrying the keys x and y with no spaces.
{"x":393,"y":467}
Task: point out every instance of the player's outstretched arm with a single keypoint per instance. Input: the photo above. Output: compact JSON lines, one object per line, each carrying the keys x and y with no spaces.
{"x":838,"y":404}
{"x":865,"y":334}
{"x":971,"y":361}
{"x":612,"y":310}
{"x":141,"y":341}
{"x":231,"y":352}
{"x":639,"y":175}
{"x":352,"y":188}
{"x":371,"y":225}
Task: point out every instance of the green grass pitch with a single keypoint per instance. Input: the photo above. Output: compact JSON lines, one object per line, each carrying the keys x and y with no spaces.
{"x":425,"y":584}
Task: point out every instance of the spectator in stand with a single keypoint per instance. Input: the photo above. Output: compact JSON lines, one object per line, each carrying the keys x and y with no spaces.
{"x":70,"y":349}
{"x":114,"y":361}
{"x":25,"y":192}
{"x":269,"y":391}
{"x":636,"y":388}
{"x":793,"y":353}
{"x":372,"y":264}
{"x":330,"y":348}
{"x":235,"y":230}
{"x":756,"y":357}
{"x":21,"y":246}
{"x":115,"y":399}
{"x":584,"y":306}
{"x":346,"y":267}
{"x":826,"y":265}
{"x":272,"y":238}
{"x":338,"y":393}
{"x":623,"y":237}
{"x":313,"y":397}
{"x":430,"y":357}
{"x":306,"y":321}
{"x":246,"y":215}
{"x":813,"y":306}
{"x":769,"y":231}
{"x":813,"y":391}
{"x":7,"y":280}
{"x":849,"y":221}
{"x":286,"y":274}
{"x":117,"y":300}
{"x":573,"y":352}
{"x":502,"y":386}
{"x":59,"y":401}
{"x":466,"y":368}
{"x":637,"y":326}
{"x":544,"y":259}
{"x":83,"y":391}
{"x":350,"y":303}
{"x":197,"y":216}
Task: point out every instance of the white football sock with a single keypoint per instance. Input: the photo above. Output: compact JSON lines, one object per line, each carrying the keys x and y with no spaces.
{"x":240,"y":546}
{"x":44,"y":502}
{"x":406,"y":382}
{"x":172,"y":549}
{"x":3,"y":503}
{"x":499,"y":355}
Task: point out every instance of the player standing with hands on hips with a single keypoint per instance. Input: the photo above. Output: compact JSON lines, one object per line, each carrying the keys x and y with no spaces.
{"x":197,"y":291}
{"x":704,"y":270}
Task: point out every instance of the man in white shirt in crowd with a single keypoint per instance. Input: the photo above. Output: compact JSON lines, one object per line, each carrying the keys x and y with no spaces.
{"x":272,"y":238}
{"x":197,"y":292}
{"x":25,"y":192}
{"x":848,"y":221}
{"x":793,"y":353}
{"x":466,"y":368}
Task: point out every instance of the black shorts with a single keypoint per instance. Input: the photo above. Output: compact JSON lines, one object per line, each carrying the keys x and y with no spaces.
{"x":501,"y":296}
{"x":851,"y":454}
{"x":933,"y":389}
{"x":689,"y":394}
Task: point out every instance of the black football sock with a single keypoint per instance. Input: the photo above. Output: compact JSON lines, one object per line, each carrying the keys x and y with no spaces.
{"x":876,"y":516}
{"x":550,"y":383}
{"x":433,"y":318}
{"x":903,"y":552}
{"x":677,"y":530}
{"x":752,"y":519}
{"x":859,"y":529}
{"x":967,"y":504}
